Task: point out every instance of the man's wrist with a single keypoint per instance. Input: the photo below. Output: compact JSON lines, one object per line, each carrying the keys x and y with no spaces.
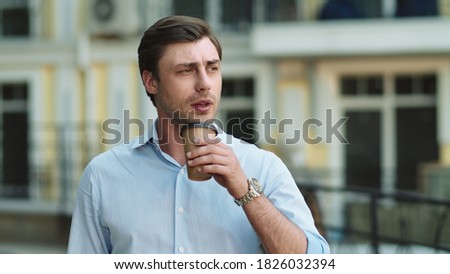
{"x":254,"y":191}
{"x":239,"y":191}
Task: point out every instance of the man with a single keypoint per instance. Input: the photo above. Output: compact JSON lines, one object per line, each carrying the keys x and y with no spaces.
{"x":136,"y":198}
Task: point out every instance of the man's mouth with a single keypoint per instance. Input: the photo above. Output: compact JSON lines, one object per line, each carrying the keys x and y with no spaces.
{"x":202,"y":106}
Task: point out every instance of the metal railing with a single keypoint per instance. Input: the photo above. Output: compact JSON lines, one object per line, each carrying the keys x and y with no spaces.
{"x":377,"y":218}
{"x":56,"y":157}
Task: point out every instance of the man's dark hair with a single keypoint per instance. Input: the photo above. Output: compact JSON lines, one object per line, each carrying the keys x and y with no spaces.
{"x":167,"y":31}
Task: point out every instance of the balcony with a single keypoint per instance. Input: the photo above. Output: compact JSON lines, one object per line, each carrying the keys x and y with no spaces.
{"x":351,"y":38}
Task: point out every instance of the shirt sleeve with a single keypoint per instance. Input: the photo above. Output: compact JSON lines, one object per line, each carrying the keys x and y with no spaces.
{"x":87,"y":235}
{"x":281,"y":189}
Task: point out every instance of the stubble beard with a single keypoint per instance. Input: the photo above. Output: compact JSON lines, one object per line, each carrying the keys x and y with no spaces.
{"x":182,"y":117}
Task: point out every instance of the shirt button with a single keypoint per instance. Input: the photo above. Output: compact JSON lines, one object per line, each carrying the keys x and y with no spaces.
{"x":181,"y":249}
{"x":180,"y":210}
{"x":182,"y":171}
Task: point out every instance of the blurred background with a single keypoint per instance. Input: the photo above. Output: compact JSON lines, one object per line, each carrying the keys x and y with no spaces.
{"x":66,"y":66}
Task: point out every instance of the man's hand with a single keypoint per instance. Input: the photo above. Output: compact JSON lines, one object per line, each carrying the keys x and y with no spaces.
{"x":220,"y":161}
{"x":277,"y":233}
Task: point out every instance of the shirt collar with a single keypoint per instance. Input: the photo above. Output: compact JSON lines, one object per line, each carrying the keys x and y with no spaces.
{"x":149,"y":136}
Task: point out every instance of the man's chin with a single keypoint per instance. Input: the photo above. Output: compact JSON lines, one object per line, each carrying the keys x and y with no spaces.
{"x":202,"y":117}
{"x":192,"y":116}
{"x":194,"y":119}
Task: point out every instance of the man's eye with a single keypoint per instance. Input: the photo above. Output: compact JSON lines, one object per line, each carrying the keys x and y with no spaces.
{"x":186,"y":71}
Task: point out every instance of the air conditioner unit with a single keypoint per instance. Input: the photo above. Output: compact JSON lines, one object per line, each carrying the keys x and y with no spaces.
{"x":113,"y":18}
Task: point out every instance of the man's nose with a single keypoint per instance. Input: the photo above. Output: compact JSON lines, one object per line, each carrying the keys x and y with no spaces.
{"x":203,"y":81}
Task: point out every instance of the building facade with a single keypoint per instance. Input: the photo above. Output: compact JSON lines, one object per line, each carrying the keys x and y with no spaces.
{"x":348,"y":93}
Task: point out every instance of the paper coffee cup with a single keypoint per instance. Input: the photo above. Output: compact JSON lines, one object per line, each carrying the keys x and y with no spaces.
{"x":201,"y":131}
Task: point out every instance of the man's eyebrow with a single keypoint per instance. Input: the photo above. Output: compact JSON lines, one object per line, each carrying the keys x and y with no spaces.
{"x":212,"y":62}
{"x":194,"y":64}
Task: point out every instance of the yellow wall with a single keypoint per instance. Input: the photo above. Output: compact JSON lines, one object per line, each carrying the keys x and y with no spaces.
{"x":293,"y":77}
{"x":49,"y":136}
{"x":312,"y":8}
{"x":444,"y":7}
{"x":445,"y":154}
{"x":100,"y":78}
{"x":48,"y":18}
{"x":317,"y":156}
{"x":134,"y":99}
{"x":48,"y":87}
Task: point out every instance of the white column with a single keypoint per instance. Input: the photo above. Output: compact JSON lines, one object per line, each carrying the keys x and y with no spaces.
{"x":388,"y":143}
{"x":68,"y":118}
{"x":67,"y":91}
{"x":258,"y":11}
{"x":118,"y":96}
{"x":92,"y":120}
{"x":265,"y":97}
{"x":36,"y":18}
{"x":293,"y":115}
{"x":325,"y":96}
{"x":388,"y":8}
{"x":443,"y":108}
{"x":66,"y":17}
{"x":213,"y":13}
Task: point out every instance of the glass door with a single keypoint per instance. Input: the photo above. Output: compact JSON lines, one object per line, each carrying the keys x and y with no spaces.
{"x":14,"y":160}
{"x":416,"y":143}
{"x":363,"y":153}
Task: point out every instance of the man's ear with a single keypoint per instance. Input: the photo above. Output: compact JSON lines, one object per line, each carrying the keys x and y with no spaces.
{"x":150,"y":82}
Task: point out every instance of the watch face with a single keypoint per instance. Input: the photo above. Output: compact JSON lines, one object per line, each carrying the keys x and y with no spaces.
{"x":256,"y":185}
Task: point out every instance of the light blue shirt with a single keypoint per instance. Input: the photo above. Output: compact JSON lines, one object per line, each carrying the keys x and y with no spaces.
{"x":135,"y":198}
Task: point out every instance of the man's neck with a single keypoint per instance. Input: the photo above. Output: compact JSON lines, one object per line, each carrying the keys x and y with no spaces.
{"x":170,"y":140}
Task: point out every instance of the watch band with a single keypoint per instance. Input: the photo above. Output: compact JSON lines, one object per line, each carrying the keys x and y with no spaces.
{"x":253,"y":193}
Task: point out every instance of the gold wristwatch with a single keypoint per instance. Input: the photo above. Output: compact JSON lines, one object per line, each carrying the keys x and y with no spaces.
{"x":254,"y":191}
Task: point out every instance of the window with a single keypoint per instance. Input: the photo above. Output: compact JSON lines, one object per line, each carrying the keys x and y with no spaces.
{"x":241,"y":124}
{"x":195,"y":8}
{"x":14,"y":162}
{"x":391,"y":135}
{"x":237,"y":111}
{"x":238,"y":88}
{"x":226,"y":15}
{"x":363,"y":154}
{"x":14,"y":18}
{"x":351,"y":9}
{"x":416,"y":8}
{"x":237,"y":14}
{"x":14,"y":92}
{"x":362,"y":85}
{"x":416,"y":134}
{"x":357,"y":9}
{"x":280,"y":10}
{"x":424,"y":84}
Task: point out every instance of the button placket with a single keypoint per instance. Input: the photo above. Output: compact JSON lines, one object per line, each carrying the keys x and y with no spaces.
{"x":179,"y":211}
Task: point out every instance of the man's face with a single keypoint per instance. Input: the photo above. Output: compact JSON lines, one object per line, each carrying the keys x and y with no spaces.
{"x":190,"y":81}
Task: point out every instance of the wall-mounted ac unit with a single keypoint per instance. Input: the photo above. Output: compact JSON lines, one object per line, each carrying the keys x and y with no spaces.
{"x":113,"y":18}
